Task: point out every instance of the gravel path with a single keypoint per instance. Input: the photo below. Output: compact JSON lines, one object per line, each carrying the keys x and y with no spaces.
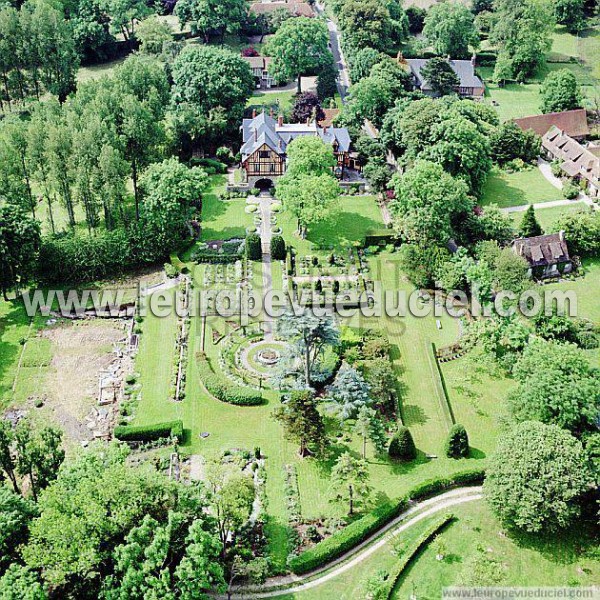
{"x":267,"y":276}
{"x":358,"y":554}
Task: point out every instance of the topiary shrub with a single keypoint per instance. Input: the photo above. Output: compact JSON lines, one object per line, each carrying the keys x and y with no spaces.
{"x":253,"y":247}
{"x":402,"y":445}
{"x":148,"y":433}
{"x":457,"y":442}
{"x":277,"y":248}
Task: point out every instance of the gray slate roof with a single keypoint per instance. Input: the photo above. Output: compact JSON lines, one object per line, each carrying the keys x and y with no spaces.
{"x":463,"y":68}
{"x":543,"y":250}
{"x":264,"y":129}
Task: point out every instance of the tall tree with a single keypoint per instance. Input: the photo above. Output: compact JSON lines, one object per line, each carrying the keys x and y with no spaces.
{"x":366,"y":24}
{"x":307,"y":106}
{"x":536,"y":477}
{"x":153,"y":34}
{"x":209,"y":77}
{"x":565,"y":391}
{"x":440,"y":75}
{"x":309,"y":155}
{"x":560,"y":91}
{"x":310,"y":198}
{"x":124,"y":14}
{"x":522,"y":29}
{"x":302,"y":422}
{"x":529,"y":224}
{"x":19,"y":244}
{"x":310,"y":335}
{"x":231,"y":498}
{"x":7,"y":458}
{"x":204,"y":16}
{"x":570,"y":13}
{"x":369,"y":426}
{"x":300,"y":45}
{"x":348,"y":393}
{"x":430,"y":204}
{"x":450,"y":28}
{"x":350,"y":481}
{"x":15,"y":515}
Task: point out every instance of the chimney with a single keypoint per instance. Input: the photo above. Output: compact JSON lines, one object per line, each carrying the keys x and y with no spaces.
{"x":280,"y":120}
{"x":325,"y":129}
{"x":561,"y":235}
{"x":254,"y":113}
{"x":474,"y":60}
{"x":308,"y":120}
{"x":271,"y":112}
{"x":255,"y":134}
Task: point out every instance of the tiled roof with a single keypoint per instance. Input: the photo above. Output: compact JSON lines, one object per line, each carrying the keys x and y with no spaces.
{"x":330,"y":115}
{"x":577,"y":160}
{"x":258,"y":62}
{"x":463,"y":68}
{"x":572,"y":122}
{"x":543,"y":250}
{"x":264,"y":129}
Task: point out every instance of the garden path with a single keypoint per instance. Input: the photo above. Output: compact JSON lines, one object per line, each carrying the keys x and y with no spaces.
{"x":291,"y":584}
{"x":552,"y":204}
{"x":265,"y":200}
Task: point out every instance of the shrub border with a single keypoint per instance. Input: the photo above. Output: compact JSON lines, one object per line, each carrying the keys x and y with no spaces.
{"x":358,"y":531}
{"x":146,"y":433}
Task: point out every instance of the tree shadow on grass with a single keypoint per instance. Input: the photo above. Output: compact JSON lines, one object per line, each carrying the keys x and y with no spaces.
{"x":341,"y":227}
{"x":404,"y":467}
{"x":498,"y":191}
{"x":564,"y":548}
{"x":476,"y":453}
{"x":413,"y":415}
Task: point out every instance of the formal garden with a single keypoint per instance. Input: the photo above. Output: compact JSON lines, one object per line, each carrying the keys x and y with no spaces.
{"x":210,"y":450}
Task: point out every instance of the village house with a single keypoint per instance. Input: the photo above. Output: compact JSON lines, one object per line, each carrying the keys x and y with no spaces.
{"x":295,"y":9}
{"x":264,"y":143}
{"x":576,"y":161}
{"x":547,"y":255}
{"x":572,"y":122}
{"x":470,"y":85}
{"x":260,"y":69}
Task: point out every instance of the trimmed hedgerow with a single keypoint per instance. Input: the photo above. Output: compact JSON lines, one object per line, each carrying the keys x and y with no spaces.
{"x":355,"y":533}
{"x":422,"y":541}
{"x":223,"y":390}
{"x":147,"y":433}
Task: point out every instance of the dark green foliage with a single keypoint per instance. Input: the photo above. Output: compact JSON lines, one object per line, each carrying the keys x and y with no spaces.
{"x":560,"y":91}
{"x":570,"y":13}
{"x":529,"y":224}
{"x":224,"y":390}
{"x":327,"y":81}
{"x":509,"y":141}
{"x":253,"y":247}
{"x":582,"y":232}
{"x":147,"y":433}
{"x":359,"y":530}
{"x":278,"y":250}
{"x":402,"y":445}
{"x":457,"y":442}
{"x":15,"y":514}
{"x":416,"y":18}
{"x":570,"y":190}
{"x":440,"y":76}
{"x":19,"y":242}
{"x":362,"y":63}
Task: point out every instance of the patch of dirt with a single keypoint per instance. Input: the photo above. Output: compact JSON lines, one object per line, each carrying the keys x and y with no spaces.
{"x":81,"y":350}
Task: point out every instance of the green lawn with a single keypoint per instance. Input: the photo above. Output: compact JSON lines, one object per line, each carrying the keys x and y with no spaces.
{"x":91,"y":72}
{"x":564,"y":560}
{"x":547,"y":217}
{"x":267,"y":100}
{"x":347,"y":225}
{"x":514,"y":189}
{"x":222,"y":220}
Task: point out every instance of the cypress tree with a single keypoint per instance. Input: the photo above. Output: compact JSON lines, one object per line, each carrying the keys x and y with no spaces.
{"x":529,"y":225}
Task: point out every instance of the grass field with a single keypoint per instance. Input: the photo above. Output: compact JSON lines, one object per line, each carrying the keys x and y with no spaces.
{"x":514,"y":189}
{"x":267,"y":100}
{"x":515,"y":100}
{"x":547,"y":217}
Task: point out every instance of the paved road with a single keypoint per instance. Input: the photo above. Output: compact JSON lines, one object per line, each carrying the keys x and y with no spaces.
{"x":358,"y":554}
{"x":551,"y":204}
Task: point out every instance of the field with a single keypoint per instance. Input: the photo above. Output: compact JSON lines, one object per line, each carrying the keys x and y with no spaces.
{"x":514,"y":189}
{"x":580,"y":55}
{"x":547,"y":217}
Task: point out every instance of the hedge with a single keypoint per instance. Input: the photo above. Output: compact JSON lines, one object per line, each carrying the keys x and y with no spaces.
{"x":407,"y":557}
{"x":355,"y":533}
{"x":225,"y":391}
{"x":380,"y":237}
{"x":147,"y":433}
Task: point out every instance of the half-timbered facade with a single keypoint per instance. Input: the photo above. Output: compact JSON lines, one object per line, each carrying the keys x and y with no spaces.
{"x":265,"y":141}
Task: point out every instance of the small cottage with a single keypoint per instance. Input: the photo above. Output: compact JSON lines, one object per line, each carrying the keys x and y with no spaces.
{"x":547,"y":255}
